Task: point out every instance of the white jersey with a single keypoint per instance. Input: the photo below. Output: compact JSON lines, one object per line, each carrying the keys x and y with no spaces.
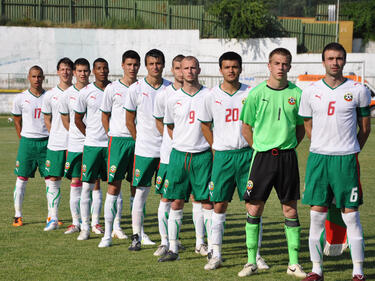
{"x":58,"y":138}
{"x":67,"y":104}
{"x":182,"y":110}
{"x":90,"y":99}
{"x":223,"y":110}
{"x":159,"y":112}
{"x":141,"y":99}
{"x":30,"y":108}
{"x":334,"y":116}
{"x":113,"y":102}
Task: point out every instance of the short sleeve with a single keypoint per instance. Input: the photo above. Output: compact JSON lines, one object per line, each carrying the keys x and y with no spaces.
{"x":130,"y":103}
{"x":159,"y":107}
{"x":305,"y":110}
{"x":64,"y":103}
{"x":107,"y":101}
{"x":205,"y":113}
{"x":81,"y":105}
{"x":17,"y":106}
{"x":248,"y":112}
{"x":46,"y":105}
{"x":168,"y":116}
{"x":364,"y":102}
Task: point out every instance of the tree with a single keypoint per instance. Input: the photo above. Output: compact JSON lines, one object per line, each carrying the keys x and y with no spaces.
{"x":246,"y":19}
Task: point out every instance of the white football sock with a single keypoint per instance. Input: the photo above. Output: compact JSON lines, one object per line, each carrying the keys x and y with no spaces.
{"x":317,"y":227}
{"x":198,"y":224}
{"x":137,"y":212}
{"x":54,"y":197}
{"x":75,"y":197}
{"x":174,"y":226}
{"x":355,"y":240}
{"x":163,"y":214}
{"x":207,"y":215}
{"x":217,"y":232}
{"x":260,"y":237}
{"x":85,"y":204}
{"x":117,"y":221}
{"x":18,"y":195}
{"x":110,"y":210}
{"x":96,"y":206}
{"x":131,"y":200}
{"x":47,"y":181}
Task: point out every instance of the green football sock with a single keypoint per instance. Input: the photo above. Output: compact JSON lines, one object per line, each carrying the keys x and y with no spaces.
{"x":252,"y":237}
{"x":292,"y":233}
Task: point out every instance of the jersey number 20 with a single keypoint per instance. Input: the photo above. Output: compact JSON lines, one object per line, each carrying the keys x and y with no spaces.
{"x":232,"y":114}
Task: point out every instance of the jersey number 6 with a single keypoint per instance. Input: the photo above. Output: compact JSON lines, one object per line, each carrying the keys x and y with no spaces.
{"x":331,"y":108}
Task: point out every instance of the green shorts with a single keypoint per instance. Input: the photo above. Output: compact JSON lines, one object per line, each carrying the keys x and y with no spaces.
{"x":143,"y":170}
{"x":120,"y":158}
{"x":94,"y":163}
{"x":73,"y":165}
{"x":188,"y":173}
{"x":55,"y":162}
{"x":229,"y":169}
{"x":31,"y":154}
{"x":332,"y":176}
{"x":162,"y":173}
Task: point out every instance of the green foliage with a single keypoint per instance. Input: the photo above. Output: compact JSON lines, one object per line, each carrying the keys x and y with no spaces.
{"x":362,"y":13}
{"x":246,"y":19}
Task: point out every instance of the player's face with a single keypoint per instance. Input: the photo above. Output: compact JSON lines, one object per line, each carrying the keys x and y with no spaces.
{"x":231,"y":70}
{"x":279,"y":67}
{"x":155,"y":66}
{"x":82,"y":74}
{"x":36,"y":78}
{"x":131,"y":67}
{"x":177,"y":71}
{"x":65,"y":73}
{"x":190,"y":70}
{"x":101,"y":71}
{"x":334,"y":62}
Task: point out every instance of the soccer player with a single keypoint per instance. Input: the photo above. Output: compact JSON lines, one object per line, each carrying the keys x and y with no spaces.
{"x":332,"y":108}
{"x":189,"y":169}
{"x":81,"y":71}
{"x":120,"y":146}
{"x":33,"y":134}
{"x":58,"y":140}
{"x":272,"y":127}
{"x":165,"y":150}
{"x":231,"y":163}
{"x":140,"y":103}
{"x":94,"y":159}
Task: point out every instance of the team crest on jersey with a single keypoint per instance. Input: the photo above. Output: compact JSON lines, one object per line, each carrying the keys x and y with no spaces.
{"x":243,"y":100}
{"x":84,"y":168}
{"x":137,"y":173}
{"x":292,"y":101}
{"x":48,"y":163}
{"x":158,"y":180}
{"x":211,"y":186}
{"x":166,"y":183}
{"x":250,"y":185}
{"x":113,"y":169}
{"x":67,"y":166}
{"x":17,"y":163}
{"x":348,"y":97}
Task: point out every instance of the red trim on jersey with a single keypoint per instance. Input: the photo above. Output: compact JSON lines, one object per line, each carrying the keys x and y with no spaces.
{"x":109,"y":157}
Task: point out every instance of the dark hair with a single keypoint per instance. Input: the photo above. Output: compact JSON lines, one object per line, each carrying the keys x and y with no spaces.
{"x":81,"y":61}
{"x":281,"y":51}
{"x":65,"y":60}
{"x":178,"y":58}
{"x":36,"y":67}
{"x":130,"y":54}
{"x":334,"y":46}
{"x":155,"y":53}
{"x":99,"y":60}
{"x":230,"y":56}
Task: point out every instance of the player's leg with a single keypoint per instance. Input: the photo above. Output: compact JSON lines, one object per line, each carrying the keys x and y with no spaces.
{"x":73,"y":172}
{"x":198,"y":220}
{"x":144,"y":168}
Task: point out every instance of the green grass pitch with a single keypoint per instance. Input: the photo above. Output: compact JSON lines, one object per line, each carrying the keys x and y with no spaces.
{"x":29,"y":253}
